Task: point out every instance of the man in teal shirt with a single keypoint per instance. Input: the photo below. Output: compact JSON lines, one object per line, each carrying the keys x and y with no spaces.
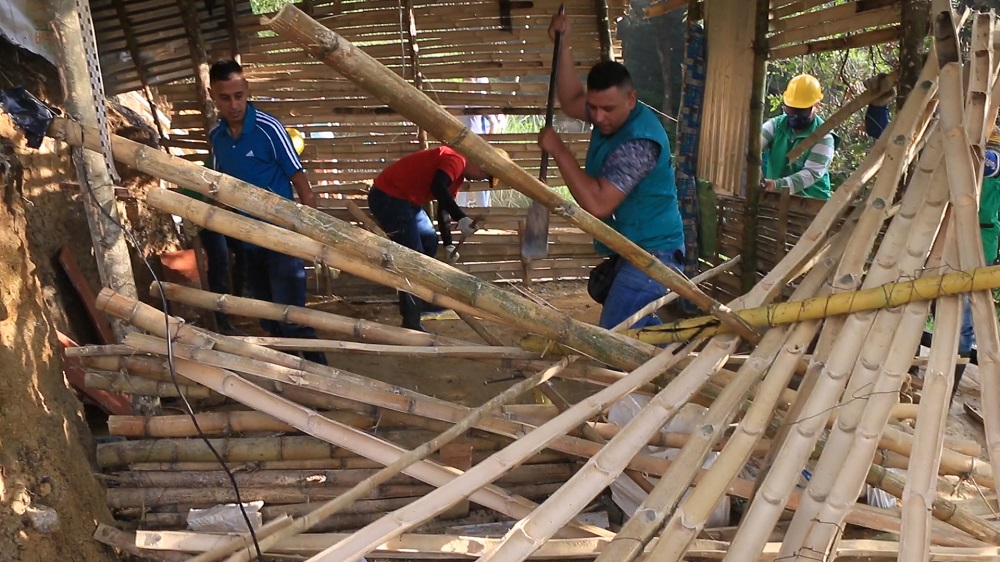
{"x":627,"y":179}
{"x":809,"y":174}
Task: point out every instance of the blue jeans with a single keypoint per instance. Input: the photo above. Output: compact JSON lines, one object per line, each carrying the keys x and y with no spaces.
{"x":408,"y":225}
{"x":632,"y":289}
{"x":281,"y":279}
{"x":966,"y":335}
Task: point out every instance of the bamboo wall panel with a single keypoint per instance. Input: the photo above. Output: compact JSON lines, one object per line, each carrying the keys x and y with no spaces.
{"x":728,"y":83}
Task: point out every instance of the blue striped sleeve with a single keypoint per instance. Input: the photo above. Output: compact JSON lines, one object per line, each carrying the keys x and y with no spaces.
{"x":284,"y":152}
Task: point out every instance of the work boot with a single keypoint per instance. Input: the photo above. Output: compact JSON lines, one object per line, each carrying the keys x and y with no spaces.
{"x":959,"y":371}
{"x":410,"y":309}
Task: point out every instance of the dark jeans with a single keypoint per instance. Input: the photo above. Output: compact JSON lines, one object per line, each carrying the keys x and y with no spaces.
{"x":408,"y":225}
{"x":217,"y":248}
{"x":280,"y":279}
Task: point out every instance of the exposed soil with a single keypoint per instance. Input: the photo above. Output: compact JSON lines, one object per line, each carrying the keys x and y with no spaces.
{"x":45,"y":446}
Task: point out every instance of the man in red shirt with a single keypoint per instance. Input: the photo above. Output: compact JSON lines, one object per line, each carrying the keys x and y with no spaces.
{"x":397,"y":199}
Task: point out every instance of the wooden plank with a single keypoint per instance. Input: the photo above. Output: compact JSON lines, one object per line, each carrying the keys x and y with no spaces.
{"x":888,"y":15}
{"x":98,"y":320}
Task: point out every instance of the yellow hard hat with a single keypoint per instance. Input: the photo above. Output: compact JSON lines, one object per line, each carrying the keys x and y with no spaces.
{"x":994,"y":141}
{"x":298,"y":141}
{"x":803,"y":92}
{"x":494,"y":181}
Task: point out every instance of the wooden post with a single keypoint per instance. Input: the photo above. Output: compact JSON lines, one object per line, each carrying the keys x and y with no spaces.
{"x":133,"y":51}
{"x":418,"y":78}
{"x":113,"y":263}
{"x":604,"y":30}
{"x":753,"y":171}
{"x":199,"y":61}
{"x":233,"y":29}
{"x":916,"y":23}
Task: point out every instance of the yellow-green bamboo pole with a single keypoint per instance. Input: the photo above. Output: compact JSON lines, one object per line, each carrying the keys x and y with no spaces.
{"x":365,"y":330}
{"x":963,"y":177}
{"x":367,"y":73}
{"x":889,"y":295}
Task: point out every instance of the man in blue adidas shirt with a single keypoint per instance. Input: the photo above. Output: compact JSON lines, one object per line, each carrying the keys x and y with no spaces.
{"x":253,"y":146}
{"x":627,"y":179}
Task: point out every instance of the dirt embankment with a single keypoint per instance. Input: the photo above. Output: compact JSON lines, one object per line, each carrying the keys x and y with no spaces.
{"x":45,"y":446}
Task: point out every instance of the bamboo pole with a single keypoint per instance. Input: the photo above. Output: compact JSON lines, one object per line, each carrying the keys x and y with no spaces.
{"x":962,"y":176}
{"x":359,"y":442}
{"x":290,"y":243}
{"x":775,"y":359}
{"x":337,"y":505}
{"x":139,"y":386}
{"x":889,"y":295}
{"x":814,"y":404}
{"x":396,"y":523}
{"x":365,"y":330}
{"x":365,"y":247}
{"x":754,"y":150}
{"x":479,"y":352}
{"x":921,"y":484}
{"x":335,"y":51}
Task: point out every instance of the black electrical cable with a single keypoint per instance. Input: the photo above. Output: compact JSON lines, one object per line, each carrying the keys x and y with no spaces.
{"x":170,"y":357}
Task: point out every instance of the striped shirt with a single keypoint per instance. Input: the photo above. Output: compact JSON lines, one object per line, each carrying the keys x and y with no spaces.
{"x":816,"y":165}
{"x":262,"y":155}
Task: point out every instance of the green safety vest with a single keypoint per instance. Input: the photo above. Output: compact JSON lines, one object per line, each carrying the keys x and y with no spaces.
{"x":777,"y":166}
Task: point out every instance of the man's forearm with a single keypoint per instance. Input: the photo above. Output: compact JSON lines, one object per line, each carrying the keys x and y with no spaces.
{"x":583,"y":187}
{"x":304,"y":190}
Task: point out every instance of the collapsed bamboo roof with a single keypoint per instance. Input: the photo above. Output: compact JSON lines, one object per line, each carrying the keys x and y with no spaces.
{"x":842,"y":411}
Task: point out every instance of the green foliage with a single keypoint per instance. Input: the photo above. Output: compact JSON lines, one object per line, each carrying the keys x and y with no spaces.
{"x":842,"y":75}
{"x":269,"y":6}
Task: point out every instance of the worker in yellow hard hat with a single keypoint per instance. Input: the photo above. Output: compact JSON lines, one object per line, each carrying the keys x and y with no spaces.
{"x":809,"y":174}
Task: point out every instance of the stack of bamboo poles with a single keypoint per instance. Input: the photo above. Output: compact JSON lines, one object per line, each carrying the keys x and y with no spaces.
{"x":840,"y":422}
